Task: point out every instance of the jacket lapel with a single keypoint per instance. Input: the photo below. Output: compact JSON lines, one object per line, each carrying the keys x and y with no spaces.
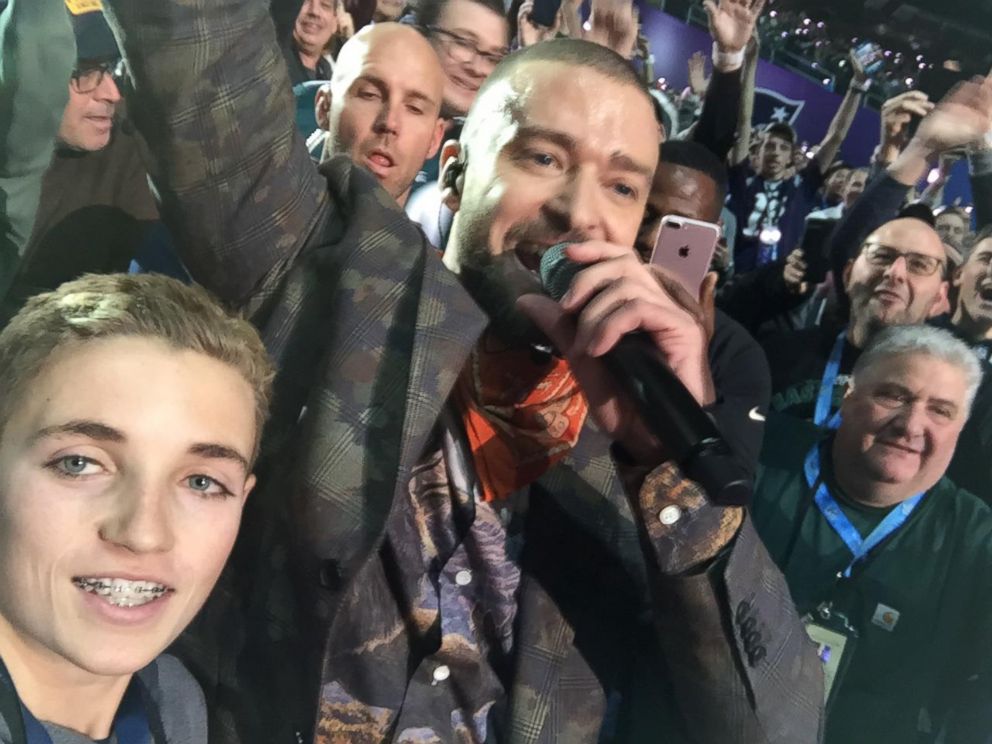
{"x":449,"y":324}
{"x":544,"y":643}
{"x":584,"y":491}
{"x":387,"y":330}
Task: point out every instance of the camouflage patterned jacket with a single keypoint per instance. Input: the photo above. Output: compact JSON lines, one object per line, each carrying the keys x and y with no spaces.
{"x":370,"y":332}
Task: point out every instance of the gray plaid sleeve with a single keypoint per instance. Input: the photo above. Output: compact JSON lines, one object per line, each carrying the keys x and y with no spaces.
{"x":210,"y":93}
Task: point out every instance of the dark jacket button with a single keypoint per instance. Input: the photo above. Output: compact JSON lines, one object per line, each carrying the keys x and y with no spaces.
{"x":330,"y":575}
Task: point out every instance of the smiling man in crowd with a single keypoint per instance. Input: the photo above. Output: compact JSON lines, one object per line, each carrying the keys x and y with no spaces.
{"x":898,"y":278}
{"x":470,"y":37}
{"x":95,"y":209}
{"x":382,"y":107}
{"x":897,"y":275}
{"x":305,"y":36}
{"x":889,"y":558}
{"x":953,"y":225}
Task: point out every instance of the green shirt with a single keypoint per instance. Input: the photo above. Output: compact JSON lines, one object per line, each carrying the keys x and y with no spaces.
{"x":935,"y":572}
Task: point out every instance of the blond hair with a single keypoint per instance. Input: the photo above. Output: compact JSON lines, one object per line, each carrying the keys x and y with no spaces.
{"x":143,"y":305}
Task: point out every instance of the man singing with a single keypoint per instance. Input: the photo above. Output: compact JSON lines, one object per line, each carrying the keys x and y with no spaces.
{"x":460,"y":535}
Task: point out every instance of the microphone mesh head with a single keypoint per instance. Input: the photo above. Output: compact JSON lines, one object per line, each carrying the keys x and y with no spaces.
{"x":557,"y":271}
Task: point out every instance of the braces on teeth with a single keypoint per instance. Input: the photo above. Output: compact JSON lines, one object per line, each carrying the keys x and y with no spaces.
{"x":121,"y":592}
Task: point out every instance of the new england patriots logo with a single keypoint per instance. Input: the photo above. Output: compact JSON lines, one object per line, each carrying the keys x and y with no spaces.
{"x":771,"y":107}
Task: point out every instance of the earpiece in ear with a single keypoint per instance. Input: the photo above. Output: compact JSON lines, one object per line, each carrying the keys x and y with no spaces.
{"x":451,"y":176}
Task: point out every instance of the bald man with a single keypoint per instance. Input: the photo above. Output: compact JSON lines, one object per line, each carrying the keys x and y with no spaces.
{"x":899,"y":277}
{"x":383,"y":103}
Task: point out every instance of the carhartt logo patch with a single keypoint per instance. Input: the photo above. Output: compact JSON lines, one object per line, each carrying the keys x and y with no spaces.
{"x":79,"y":7}
{"x":885,"y":617}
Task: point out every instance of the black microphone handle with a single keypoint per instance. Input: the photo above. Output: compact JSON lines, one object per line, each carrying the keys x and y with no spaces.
{"x":672,"y":414}
{"x":666,"y":406}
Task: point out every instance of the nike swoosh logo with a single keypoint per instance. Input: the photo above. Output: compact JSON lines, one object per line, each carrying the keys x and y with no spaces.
{"x":754,"y":415}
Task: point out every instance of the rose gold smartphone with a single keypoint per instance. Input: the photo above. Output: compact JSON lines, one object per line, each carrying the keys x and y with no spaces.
{"x":685,"y":249}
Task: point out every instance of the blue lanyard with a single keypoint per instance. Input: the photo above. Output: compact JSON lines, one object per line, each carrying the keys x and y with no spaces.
{"x":838,"y":520}
{"x":130,"y":723}
{"x":825,"y":400}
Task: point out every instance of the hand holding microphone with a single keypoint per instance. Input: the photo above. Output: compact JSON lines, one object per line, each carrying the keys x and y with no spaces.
{"x":640,"y":356}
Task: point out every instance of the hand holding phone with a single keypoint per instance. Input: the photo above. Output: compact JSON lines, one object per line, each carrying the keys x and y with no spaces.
{"x":870,"y":57}
{"x":814,"y":245}
{"x":685,"y":249}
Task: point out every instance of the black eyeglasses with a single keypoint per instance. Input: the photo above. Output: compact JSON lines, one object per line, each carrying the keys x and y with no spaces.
{"x":88,"y":78}
{"x":918,"y":264}
{"x":464,"y":50}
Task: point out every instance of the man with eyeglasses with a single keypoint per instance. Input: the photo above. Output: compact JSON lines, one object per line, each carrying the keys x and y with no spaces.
{"x":470,"y":38}
{"x":898,"y":278}
{"x":896,"y":275}
{"x":35,"y":35}
{"x":95,"y":211}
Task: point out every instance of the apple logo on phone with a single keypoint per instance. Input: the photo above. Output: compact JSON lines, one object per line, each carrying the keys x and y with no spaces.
{"x":684,"y":252}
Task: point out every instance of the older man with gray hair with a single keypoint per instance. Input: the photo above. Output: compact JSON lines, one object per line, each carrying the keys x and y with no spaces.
{"x":887,"y":558}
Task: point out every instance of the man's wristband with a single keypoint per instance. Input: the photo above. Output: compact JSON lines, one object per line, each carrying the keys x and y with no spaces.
{"x":864,"y":87}
{"x":727,"y":61}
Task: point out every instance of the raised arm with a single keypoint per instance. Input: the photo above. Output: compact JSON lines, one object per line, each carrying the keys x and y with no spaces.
{"x":980,"y":166}
{"x":37,"y":52}
{"x":843,"y":119}
{"x":960,"y":119}
{"x":284,"y":13}
{"x":211,"y":96}
{"x":731,"y":26}
{"x":742,"y":146}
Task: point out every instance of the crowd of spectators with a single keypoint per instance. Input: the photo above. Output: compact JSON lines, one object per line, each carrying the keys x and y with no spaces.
{"x":304,"y":245}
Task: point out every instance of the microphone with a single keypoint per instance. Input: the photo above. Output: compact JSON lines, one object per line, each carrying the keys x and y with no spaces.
{"x":669,"y":410}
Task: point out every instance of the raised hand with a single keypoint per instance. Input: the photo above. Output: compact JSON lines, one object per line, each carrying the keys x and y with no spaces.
{"x":961,"y":119}
{"x":732,"y":22}
{"x":860,"y":76}
{"x":794,"y":272}
{"x":898,"y":112}
{"x":698,"y":80}
{"x":614,"y":24}
{"x":530,"y":33}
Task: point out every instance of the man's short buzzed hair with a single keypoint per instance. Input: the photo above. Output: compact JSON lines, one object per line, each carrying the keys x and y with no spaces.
{"x":576,"y":52}
{"x":428,"y":12}
{"x":694,"y":156}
